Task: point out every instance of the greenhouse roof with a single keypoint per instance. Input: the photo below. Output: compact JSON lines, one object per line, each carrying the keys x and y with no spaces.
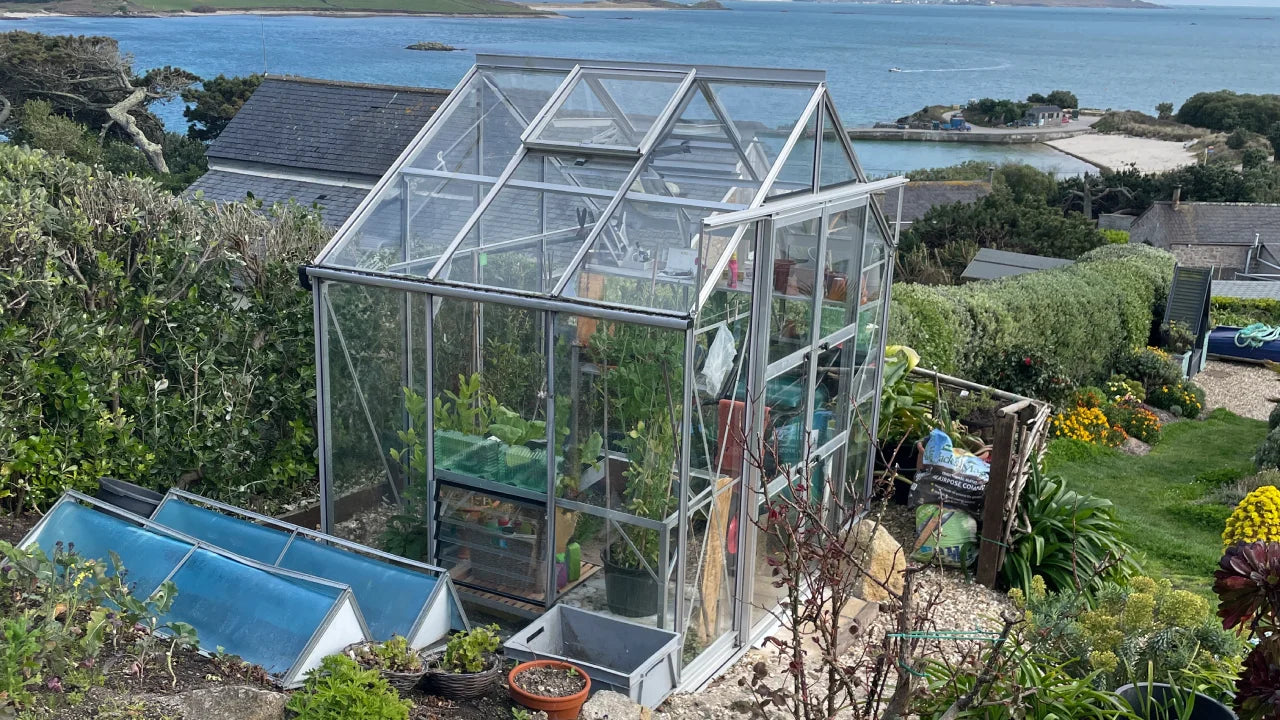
{"x":595,"y":182}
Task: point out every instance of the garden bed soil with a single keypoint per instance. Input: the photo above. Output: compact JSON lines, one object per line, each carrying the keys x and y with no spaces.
{"x":550,"y":682}
{"x":15,"y":527}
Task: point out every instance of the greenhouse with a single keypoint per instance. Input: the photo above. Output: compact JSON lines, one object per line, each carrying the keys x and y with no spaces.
{"x":590,"y":317}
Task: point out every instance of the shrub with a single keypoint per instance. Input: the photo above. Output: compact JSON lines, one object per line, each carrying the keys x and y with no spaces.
{"x":1150,"y":366}
{"x":1085,"y":317}
{"x":1182,"y":398}
{"x":1130,"y":632}
{"x":1087,"y":397}
{"x":1120,"y":386}
{"x":1232,"y":490}
{"x":1071,"y":535}
{"x":339,"y":689}
{"x":1136,"y":421}
{"x":1268,"y":452}
{"x":1273,"y":418}
{"x":1116,"y":237}
{"x":149,"y":338}
{"x":1256,"y":518}
{"x":1024,"y":371}
{"x":1087,"y":425}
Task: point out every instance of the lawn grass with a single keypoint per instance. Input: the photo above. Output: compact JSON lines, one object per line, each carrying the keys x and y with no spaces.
{"x":1160,"y":498}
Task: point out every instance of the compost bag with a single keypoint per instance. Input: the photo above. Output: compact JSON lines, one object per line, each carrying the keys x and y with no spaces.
{"x":945,"y":536}
{"x":954,"y":479}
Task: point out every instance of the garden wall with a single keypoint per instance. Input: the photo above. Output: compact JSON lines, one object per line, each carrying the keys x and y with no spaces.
{"x":1078,"y":317}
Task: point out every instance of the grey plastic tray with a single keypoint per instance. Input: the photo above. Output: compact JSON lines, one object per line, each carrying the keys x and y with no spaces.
{"x":636,"y":660}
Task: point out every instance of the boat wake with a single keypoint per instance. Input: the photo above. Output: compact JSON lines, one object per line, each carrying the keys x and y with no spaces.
{"x":945,"y":70}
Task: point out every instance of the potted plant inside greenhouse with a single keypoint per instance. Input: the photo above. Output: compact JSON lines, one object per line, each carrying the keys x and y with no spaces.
{"x":547,"y":341}
{"x":631,"y":559}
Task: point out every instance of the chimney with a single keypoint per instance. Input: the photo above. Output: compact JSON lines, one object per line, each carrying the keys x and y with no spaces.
{"x":1177,"y":195}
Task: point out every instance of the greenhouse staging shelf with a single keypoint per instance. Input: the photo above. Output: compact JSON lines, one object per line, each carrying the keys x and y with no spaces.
{"x":282,"y":620}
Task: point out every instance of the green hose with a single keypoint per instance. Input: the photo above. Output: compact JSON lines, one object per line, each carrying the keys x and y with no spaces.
{"x":1256,"y":335}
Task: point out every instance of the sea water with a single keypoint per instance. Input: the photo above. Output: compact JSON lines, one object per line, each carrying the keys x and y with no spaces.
{"x":946,"y":54}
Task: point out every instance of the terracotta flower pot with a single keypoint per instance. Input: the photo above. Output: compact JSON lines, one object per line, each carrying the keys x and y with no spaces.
{"x":556,"y":708}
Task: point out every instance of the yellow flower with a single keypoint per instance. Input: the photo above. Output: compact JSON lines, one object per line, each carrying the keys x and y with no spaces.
{"x":1256,"y":518}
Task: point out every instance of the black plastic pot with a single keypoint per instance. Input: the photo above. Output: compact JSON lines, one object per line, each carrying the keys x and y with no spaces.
{"x":630,"y":592}
{"x":127,"y":496}
{"x":1160,"y":694}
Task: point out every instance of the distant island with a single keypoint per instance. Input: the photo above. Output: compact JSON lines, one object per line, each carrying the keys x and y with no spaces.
{"x":496,"y":8}
{"x":431,"y":46}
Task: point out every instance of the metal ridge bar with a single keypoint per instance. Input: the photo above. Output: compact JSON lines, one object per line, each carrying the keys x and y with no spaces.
{"x":715,"y":72}
{"x":667,"y":118}
{"x":541,"y":186}
{"x":800,"y":202}
{"x":474,"y":219}
{"x":437,"y":118}
{"x":784,"y":154}
{"x":543,"y":116}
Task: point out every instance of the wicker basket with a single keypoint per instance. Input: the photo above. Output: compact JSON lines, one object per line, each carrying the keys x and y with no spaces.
{"x":402,"y":682}
{"x":461,"y":686}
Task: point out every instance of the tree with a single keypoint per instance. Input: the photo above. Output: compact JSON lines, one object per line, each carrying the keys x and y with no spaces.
{"x":1253,"y":157}
{"x":1164,"y":111}
{"x":1063,"y":99}
{"x":212,"y":106}
{"x":1037,"y":99}
{"x":1238,"y":139}
{"x":37,"y":126}
{"x":88,"y":80}
{"x":1273,"y":135}
{"x":1225,"y":111}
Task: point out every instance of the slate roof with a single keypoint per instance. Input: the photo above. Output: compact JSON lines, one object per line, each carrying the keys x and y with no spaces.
{"x":1042,"y":109}
{"x":336,"y":202}
{"x":1206,"y":223}
{"x":919,"y":197}
{"x":991,"y":264}
{"x":326,"y":125}
{"x":1247,"y":289}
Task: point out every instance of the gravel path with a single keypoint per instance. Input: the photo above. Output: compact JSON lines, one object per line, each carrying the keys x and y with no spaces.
{"x":1242,"y":388}
{"x":962,"y":605}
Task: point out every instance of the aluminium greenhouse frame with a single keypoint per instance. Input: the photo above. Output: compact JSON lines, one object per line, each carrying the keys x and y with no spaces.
{"x":761,"y":196}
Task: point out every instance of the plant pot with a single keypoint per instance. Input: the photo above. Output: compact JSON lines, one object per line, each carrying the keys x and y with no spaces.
{"x":782,"y":274}
{"x":556,"y":708}
{"x":1205,"y":707}
{"x":402,"y":682}
{"x":127,"y":496}
{"x":462,"y":686}
{"x":630,"y":592}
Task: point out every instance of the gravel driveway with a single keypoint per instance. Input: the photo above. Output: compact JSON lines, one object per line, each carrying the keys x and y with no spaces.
{"x":1245,"y":389}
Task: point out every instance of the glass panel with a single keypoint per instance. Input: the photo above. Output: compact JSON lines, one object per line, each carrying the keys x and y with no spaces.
{"x":838,"y":360}
{"x":242,"y":537}
{"x":478,"y":135}
{"x":495,"y":543}
{"x":285,"y":612}
{"x":712,"y":566}
{"x":609,"y":109}
{"x":837,"y":167}
{"x":857,"y":456}
{"x":795,"y":270}
{"x":647,"y":258}
{"x":874,"y":285}
{"x":762,"y":116}
{"x":797,"y":167}
{"x":366,"y":349}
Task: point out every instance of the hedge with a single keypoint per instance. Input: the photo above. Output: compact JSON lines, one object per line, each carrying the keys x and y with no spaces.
{"x":150,"y":338}
{"x":1082,"y":316}
{"x":1240,"y":312}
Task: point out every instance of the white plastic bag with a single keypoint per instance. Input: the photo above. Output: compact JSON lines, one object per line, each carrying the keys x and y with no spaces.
{"x":719,"y":362}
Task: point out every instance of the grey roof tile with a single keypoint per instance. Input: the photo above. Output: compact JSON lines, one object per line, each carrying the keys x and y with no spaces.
{"x":991,"y":264}
{"x":920,"y":197}
{"x":1207,"y":223}
{"x":326,"y":125}
{"x":335,"y":203}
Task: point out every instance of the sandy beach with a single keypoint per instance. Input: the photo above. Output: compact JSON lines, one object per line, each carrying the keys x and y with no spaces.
{"x":1117,"y":152}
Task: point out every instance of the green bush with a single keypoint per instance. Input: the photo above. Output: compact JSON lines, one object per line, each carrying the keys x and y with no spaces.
{"x":149,"y":338}
{"x":1240,"y":312}
{"x":1268,"y":454}
{"x":1273,"y":418}
{"x":1182,"y":398}
{"x":1071,"y":535}
{"x":1084,"y":317}
{"x":1152,"y":367}
{"x":339,"y":689}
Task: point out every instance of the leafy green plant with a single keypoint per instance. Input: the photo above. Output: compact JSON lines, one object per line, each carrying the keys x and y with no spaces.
{"x":1268,"y":454}
{"x":1024,"y":371}
{"x":1241,"y":312}
{"x":1073,"y":542}
{"x":1249,"y":602}
{"x":471,"y":651}
{"x":906,"y":405}
{"x":19,"y":661}
{"x":339,"y":689}
{"x":519,"y":713}
{"x":651,"y":453}
{"x":1182,"y":398}
{"x":394,"y":655}
{"x":1150,"y":366}
{"x":1177,"y":337}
